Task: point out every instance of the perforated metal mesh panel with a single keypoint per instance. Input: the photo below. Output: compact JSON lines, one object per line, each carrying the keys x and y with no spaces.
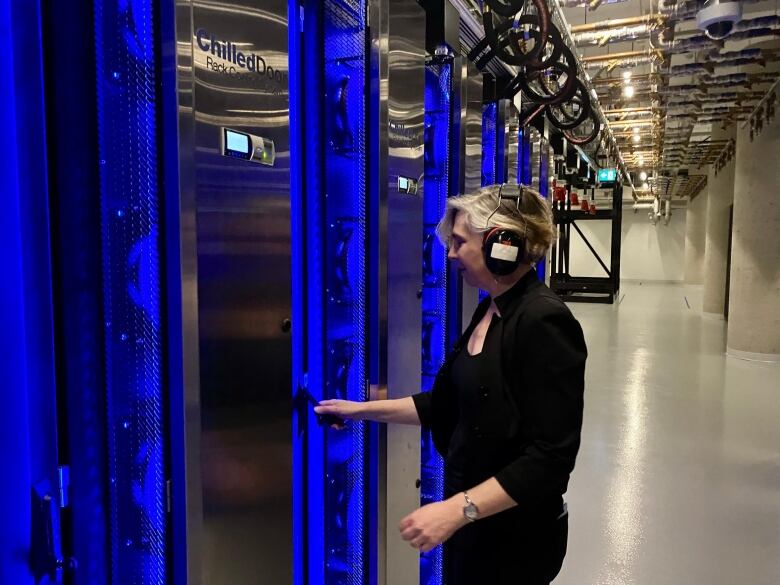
{"x":346,"y":302}
{"x":438,"y":186}
{"x":126,"y":81}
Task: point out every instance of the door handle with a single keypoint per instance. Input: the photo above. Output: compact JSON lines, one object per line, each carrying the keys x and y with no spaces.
{"x":46,"y":540}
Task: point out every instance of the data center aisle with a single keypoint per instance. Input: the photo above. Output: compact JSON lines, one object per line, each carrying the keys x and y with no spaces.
{"x":678,"y":478}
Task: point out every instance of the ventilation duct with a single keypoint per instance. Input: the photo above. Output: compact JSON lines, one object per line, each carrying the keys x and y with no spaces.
{"x":757,"y":23}
{"x":690,"y":69}
{"x":756,"y":33}
{"x":690,"y":44}
{"x":751,"y":28}
{"x":729,"y":59}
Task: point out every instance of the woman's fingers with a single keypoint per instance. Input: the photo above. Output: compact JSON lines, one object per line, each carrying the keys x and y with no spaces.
{"x":328,"y":407}
{"x":410,"y":532}
{"x":340,"y":408}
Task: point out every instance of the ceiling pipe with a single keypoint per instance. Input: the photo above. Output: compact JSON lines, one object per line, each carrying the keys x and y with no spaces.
{"x":629,"y":110}
{"x":595,"y":60}
{"x":616,"y":23}
{"x":601,"y":38}
{"x":591,"y":5}
{"x":608,"y":66}
{"x":643,"y":78}
{"x":639,"y":123}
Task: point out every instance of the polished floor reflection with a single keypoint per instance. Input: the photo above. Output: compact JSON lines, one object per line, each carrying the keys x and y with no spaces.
{"x":678,"y":479}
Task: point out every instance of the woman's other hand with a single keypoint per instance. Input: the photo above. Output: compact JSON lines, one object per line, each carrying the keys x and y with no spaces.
{"x":429,"y":526}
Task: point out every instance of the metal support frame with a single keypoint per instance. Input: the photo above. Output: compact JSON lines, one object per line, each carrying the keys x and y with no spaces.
{"x":581,"y":288}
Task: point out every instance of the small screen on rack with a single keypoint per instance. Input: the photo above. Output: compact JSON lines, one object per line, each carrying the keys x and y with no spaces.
{"x":237,"y":142}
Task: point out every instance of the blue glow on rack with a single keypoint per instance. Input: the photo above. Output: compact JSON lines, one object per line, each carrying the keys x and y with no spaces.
{"x":332,"y":511}
{"x":127,"y":118}
{"x":525,"y":176}
{"x":346,"y":319}
{"x":438,"y":185}
{"x":489,"y":124}
{"x":544,"y":190}
{"x":301,"y":418}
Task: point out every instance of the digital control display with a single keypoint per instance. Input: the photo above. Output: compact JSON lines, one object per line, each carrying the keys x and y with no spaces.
{"x":407,"y":185}
{"x":248,"y":147}
{"x":607,"y":175}
{"x":237,"y":144}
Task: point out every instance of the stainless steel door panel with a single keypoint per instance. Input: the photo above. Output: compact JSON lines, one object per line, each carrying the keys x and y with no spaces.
{"x":535,"y":141}
{"x":472,"y":163}
{"x":473,"y":147}
{"x":243,"y":245}
{"x":398,"y":84}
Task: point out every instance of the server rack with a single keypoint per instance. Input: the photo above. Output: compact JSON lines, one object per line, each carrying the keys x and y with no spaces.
{"x":333,"y":493}
{"x":358,"y":187}
{"x":534,"y":160}
{"x":440,"y":285}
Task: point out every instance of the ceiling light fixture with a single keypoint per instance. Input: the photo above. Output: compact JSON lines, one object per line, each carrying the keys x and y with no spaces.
{"x":628,"y":91}
{"x":643,"y":176}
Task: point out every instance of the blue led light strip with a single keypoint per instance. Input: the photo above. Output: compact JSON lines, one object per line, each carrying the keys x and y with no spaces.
{"x":438,"y":185}
{"x":346,"y":300}
{"x":127,"y":122}
{"x":489,"y":150}
{"x":544,"y":190}
{"x":332,"y":493}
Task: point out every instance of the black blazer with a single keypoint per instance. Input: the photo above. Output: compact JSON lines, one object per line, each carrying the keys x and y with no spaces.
{"x":529,"y":413}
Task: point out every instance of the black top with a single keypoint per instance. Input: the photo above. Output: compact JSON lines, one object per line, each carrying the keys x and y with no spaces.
{"x":468,"y":374}
{"x":523,"y":426}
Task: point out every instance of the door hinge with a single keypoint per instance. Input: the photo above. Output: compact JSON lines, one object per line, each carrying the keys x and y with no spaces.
{"x":63,"y":479}
{"x":168,"y":489}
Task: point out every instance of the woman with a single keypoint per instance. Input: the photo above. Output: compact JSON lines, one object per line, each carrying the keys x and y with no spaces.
{"x":506,"y":408}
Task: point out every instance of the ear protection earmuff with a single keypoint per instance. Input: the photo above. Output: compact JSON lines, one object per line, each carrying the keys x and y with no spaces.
{"x":504,"y":249}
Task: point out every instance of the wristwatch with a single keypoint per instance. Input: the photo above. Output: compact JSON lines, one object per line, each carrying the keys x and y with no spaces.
{"x":470,"y":510}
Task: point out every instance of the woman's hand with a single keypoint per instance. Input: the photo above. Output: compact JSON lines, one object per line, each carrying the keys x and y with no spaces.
{"x":344,"y":409}
{"x":429,"y":526}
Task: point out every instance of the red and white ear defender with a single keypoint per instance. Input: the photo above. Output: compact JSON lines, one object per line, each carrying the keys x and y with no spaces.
{"x":504,"y":249}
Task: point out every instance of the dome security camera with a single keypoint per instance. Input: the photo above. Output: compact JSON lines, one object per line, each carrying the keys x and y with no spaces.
{"x":718,"y":17}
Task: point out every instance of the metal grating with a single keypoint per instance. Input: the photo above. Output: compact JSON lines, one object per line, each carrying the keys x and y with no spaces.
{"x":346,"y":303}
{"x":438,"y":186}
{"x":126,"y":89}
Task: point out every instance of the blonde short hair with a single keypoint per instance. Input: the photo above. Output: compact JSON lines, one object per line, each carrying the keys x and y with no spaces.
{"x":534,"y":218}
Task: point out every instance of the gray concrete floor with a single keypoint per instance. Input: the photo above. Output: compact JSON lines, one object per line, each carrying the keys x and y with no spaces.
{"x":678,"y":477}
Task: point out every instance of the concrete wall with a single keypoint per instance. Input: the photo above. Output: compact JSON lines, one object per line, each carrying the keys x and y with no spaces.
{"x":754,"y":295}
{"x":648,"y":252}
{"x":720,"y":196}
{"x":695,"y":238}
